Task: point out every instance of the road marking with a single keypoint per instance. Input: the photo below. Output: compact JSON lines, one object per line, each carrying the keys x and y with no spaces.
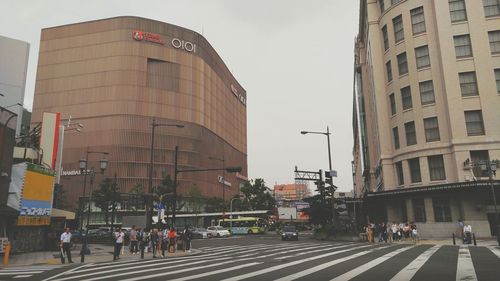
{"x":18,"y":272}
{"x":66,"y":272}
{"x":495,"y":251}
{"x":411,"y":269}
{"x":277,"y":267}
{"x":216,"y":271}
{"x":360,"y":269}
{"x":309,"y":252}
{"x":465,"y":268}
{"x":22,"y":276}
{"x":327,"y":264}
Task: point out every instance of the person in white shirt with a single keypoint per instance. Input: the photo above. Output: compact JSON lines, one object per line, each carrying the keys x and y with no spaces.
{"x":66,"y":243}
{"x":468,"y":233}
{"x":119,"y":237}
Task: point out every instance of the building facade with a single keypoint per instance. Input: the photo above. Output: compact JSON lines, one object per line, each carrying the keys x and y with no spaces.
{"x":427,"y":94}
{"x":114,"y":76}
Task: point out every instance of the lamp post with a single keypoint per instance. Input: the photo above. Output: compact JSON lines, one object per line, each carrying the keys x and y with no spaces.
{"x":327,"y":134}
{"x":491,"y":168}
{"x":83,"y":167}
{"x":222,"y":160}
{"x":149,"y":213}
{"x":231,"y":212}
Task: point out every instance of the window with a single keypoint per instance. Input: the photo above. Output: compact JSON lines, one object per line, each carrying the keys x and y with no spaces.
{"x":474,"y":123}
{"x":436,"y":167}
{"x":494,"y":41}
{"x":497,"y":78}
{"x":411,"y":134}
{"x":389,"y":71}
{"x":419,"y":209}
{"x":457,"y":10}
{"x":395,"y":134}
{"x":406,"y":98}
{"x":394,"y":2}
{"x":417,"y":20}
{"x":414,"y":170}
{"x":463,"y":47}
{"x":491,"y":8}
{"x":386,"y":38}
{"x":422,"y":57}
{"x":402,"y":64}
{"x":382,"y":5}
{"x":442,"y":211}
{"x":397,"y":22}
{"x":431,"y":129}
{"x":399,"y":173}
{"x":426,"y":92}
{"x":392,"y":101}
{"x":477,"y":156}
{"x":163,"y":75}
{"x":468,"y":84}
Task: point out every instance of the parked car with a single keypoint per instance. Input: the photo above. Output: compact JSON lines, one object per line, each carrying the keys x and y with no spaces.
{"x":290,"y":232}
{"x":218,"y":231}
{"x":200,"y":233}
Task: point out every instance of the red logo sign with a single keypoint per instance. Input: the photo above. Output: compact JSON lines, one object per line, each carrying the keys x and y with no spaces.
{"x":147,"y":36}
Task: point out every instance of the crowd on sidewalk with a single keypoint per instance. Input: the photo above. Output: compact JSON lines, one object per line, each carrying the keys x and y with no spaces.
{"x":391,"y":232}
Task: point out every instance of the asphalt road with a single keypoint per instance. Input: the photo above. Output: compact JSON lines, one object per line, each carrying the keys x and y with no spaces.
{"x":266,"y":257}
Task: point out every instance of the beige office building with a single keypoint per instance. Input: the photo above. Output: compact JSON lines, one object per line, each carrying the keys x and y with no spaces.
{"x":427,"y":111}
{"x":114,"y":76}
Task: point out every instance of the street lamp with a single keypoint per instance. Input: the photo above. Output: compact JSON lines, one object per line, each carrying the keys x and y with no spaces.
{"x":239,"y":197}
{"x":149,"y":215}
{"x":103,"y":163}
{"x":223,"y":184}
{"x":491,"y":168}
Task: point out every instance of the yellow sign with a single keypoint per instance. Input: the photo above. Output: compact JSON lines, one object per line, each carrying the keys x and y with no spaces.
{"x":23,"y":220}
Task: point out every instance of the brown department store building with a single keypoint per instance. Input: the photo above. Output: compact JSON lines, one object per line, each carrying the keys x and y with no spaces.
{"x":114,"y":76}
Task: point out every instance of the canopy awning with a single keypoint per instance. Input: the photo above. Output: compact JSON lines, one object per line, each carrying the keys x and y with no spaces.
{"x":58,"y":213}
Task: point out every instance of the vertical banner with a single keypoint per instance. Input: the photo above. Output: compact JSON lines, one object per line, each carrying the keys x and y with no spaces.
{"x":49,"y":138}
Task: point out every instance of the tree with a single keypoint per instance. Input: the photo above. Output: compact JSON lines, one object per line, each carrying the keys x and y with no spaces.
{"x":257,"y":195}
{"x":164,"y":194}
{"x":195,"y":198}
{"x":214,"y":204}
{"x":319,"y":212}
{"x":106,"y":197}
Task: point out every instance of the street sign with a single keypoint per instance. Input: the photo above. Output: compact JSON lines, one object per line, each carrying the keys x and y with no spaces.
{"x":331,"y":174}
{"x":222,"y":180}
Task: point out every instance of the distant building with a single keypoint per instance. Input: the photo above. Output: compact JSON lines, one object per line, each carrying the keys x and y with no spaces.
{"x":292,"y":192}
{"x":427,"y":85}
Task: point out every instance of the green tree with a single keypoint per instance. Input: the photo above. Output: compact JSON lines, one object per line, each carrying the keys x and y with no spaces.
{"x":257,"y":195}
{"x":214,"y":204}
{"x":164,"y":194}
{"x":106,"y":197}
{"x":194,"y":198}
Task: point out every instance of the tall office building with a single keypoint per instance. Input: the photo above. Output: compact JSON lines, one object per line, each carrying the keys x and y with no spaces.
{"x":427,"y":112}
{"x":114,"y":76}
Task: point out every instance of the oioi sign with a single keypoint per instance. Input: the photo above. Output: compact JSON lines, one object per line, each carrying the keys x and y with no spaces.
{"x":177,"y":43}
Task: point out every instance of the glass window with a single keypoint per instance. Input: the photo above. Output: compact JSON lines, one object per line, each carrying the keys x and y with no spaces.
{"x":494,"y":41}
{"x":392,"y":101}
{"x":419,"y":210}
{"x":436,"y":167}
{"x":415,"y":170}
{"x":422,"y":57}
{"x":406,"y":98}
{"x":399,"y":173}
{"x":463,"y":46}
{"x":431,"y":129}
{"x":386,"y":38}
{"x":382,"y":5}
{"x":497,"y":78}
{"x":442,"y":211}
{"x":417,"y":20}
{"x":457,"y":10}
{"x":395,"y":134}
{"x":477,"y":156}
{"x":468,"y":84}
{"x":389,"y":71}
{"x":426,"y":92}
{"x":411,"y":134}
{"x":402,"y":64}
{"x":397,"y":22}
{"x":474,"y":123}
{"x":394,"y":2}
{"x":491,"y":8}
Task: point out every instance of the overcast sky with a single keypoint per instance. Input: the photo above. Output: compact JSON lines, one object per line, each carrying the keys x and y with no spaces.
{"x":293,"y":57}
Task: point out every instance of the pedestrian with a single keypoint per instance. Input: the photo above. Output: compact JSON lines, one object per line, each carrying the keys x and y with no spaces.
{"x":369,"y":233}
{"x":394,"y":230}
{"x":468,"y":234}
{"x":460,"y":231}
{"x":159,"y":248}
{"x":187,"y":239}
{"x":65,"y":244}
{"x":383,"y":233}
{"x":154,"y":241}
{"x":172,"y":235}
{"x":119,"y":237}
{"x":164,"y":242}
{"x":414,"y":233}
{"x":133,"y":240}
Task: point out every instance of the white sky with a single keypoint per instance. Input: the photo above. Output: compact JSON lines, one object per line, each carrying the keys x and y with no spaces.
{"x":293,"y":57}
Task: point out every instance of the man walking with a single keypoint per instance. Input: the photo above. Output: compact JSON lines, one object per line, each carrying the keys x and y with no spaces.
{"x":119,"y":236}
{"x":133,"y":240}
{"x":468,"y":234}
{"x":66,"y":244}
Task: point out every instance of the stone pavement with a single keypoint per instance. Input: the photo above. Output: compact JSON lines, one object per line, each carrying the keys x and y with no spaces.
{"x":99,"y":253}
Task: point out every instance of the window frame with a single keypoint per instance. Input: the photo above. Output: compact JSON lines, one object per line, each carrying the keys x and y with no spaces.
{"x":442,"y":209}
{"x":457,"y":11}
{"x":402,"y":64}
{"x":405,"y":97}
{"x":415,"y":15}
{"x":388,"y":68}
{"x":385,"y":37}
{"x":427,"y":93}
{"x":381,"y":5}
{"x":422,"y":61}
{"x":419,"y":208}
{"x":415,"y":173}
{"x":496,"y":72}
{"x":400,"y":173}
{"x":480,"y":121}
{"x":398,"y":25}
{"x":468,"y":84}
{"x":494,"y":40}
{"x":437,"y":169}
{"x":410,"y":133}
{"x":392,"y":102}
{"x":395,"y":137}
{"x":430,"y":130}
{"x":459,"y":48}
{"x":488,"y":4}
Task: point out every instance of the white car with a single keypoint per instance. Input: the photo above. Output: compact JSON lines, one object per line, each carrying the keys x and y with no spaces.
{"x":218,"y":231}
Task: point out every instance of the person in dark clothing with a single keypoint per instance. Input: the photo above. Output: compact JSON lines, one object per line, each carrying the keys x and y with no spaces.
{"x":187,"y":239}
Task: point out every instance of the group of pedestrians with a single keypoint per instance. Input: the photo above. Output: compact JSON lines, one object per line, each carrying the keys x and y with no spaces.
{"x":391,"y":232}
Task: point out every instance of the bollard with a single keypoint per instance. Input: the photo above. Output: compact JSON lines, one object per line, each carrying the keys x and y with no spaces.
{"x":453,"y":235}
{"x":474,"y":239}
{"x":6,"y":255}
{"x":142,"y":250}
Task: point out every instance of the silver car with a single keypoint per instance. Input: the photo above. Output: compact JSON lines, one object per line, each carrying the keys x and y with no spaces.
{"x":218,"y":231}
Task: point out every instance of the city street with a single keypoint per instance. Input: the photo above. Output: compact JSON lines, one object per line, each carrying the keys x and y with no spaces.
{"x":266,"y":257}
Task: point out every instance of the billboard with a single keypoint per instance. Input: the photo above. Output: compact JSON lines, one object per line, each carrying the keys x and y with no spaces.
{"x":36,"y":190}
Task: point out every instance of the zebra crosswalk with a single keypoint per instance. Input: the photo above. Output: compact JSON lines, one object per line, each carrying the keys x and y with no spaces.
{"x":25,"y":271}
{"x":310,"y":260}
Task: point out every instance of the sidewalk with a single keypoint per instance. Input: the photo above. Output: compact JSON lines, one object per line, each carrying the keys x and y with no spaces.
{"x":99,"y":253}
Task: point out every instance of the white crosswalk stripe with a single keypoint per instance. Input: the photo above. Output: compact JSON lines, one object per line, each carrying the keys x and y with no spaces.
{"x":465,"y":268}
{"x":409,"y":271}
{"x":26,"y":271}
{"x":495,"y":251}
